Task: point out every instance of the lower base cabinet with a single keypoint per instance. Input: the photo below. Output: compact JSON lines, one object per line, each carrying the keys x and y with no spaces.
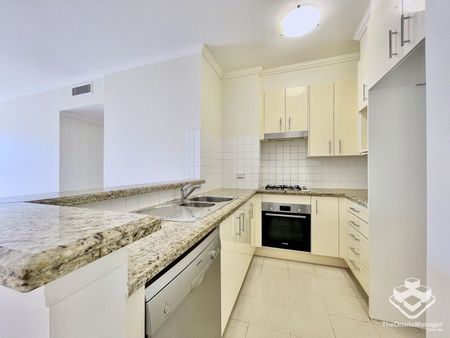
{"x":238,"y":246}
{"x":325,"y":226}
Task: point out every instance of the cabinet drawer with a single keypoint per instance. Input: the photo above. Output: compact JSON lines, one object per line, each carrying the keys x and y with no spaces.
{"x":359,"y":246}
{"x":358,"y":224}
{"x":359,"y":271}
{"x":358,"y":211}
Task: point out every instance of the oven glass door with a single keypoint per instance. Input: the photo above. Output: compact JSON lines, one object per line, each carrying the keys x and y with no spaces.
{"x":287,"y":231}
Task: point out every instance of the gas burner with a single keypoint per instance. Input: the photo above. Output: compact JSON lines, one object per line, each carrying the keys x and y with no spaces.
{"x":286,"y":187}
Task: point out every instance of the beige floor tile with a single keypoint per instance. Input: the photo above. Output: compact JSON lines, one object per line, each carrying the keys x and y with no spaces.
{"x":275,"y":263}
{"x":271,"y":315}
{"x":274,"y":273}
{"x":310,"y":324}
{"x":301,"y":267}
{"x":359,"y":292}
{"x":330,"y":272}
{"x":395,"y":332}
{"x":263,"y":332}
{"x":251,"y":282}
{"x":336,"y":286}
{"x":346,"y":328}
{"x":243,"y":308}
{"x":343,"y":306}
{"x":303,"y":281}
{"x":273,"y":290}
{"x":307,"y":301}
{"x":235,"y":329}
{"x":257,"y":261}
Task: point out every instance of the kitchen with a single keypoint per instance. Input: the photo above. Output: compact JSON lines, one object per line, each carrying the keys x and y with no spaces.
{"x":217,"y":187}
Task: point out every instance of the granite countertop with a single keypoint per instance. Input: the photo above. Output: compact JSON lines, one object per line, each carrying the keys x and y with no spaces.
{"x":74,"y":198}
{"x":40,"y":243}
{"x":150,"y":255}
{"x":359,"y":196}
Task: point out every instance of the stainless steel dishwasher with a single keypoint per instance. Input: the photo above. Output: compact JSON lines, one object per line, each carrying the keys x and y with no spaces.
{"x":184,"y":301}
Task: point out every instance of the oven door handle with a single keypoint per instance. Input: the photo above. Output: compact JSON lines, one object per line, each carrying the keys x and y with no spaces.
{"x":286,"y":216}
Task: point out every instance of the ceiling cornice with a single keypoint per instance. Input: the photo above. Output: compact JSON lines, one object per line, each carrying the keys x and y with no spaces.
{"x":311,"y":64}
{"x":212,"y":61}
{"x":362,"y":25}
{"x":242,"y":72}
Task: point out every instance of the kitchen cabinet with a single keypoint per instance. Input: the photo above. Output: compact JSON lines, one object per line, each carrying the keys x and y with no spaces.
{"x":321,"y":125}
{"x":286,"y":110}
{"x":237,"y":240}
{"x":395,"y":27}
{"x":363,"y":90}
{"x":345,"y":118}
{"x":333,"y":119}
{"x":325,"y":226}
{"x":274,"y":111}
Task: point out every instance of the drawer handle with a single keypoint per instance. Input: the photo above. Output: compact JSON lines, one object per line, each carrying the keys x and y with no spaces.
{"x":351,"y":222}
{"x":354,"y":210}
{"x":354,"y":237}
{"x":354,"y":264}
{"x":354,"y":251}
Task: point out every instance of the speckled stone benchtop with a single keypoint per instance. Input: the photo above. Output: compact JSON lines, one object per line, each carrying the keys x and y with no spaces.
{"x":359,"y":196}
{"x":40,"y":243}
{"x":74,"y":198}
{"x":150,"y":255}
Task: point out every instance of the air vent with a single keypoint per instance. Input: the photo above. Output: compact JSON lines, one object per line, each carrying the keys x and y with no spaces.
{"x":84,"y":89}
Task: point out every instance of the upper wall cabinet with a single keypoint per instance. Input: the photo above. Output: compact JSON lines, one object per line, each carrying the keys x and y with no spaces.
{"x":286,"y":110}
{"x":362,"y":73}
{"x":395,"y":27}
{"x":333,"y":120}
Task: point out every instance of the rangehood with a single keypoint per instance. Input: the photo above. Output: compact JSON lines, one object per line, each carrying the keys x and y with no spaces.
{"x":284,"y":135}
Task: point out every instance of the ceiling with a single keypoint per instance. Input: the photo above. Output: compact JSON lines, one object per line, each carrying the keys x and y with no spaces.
{"x":46,"y":43}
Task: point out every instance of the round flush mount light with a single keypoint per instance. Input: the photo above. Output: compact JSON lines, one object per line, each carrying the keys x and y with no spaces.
{"x":300,"y":21}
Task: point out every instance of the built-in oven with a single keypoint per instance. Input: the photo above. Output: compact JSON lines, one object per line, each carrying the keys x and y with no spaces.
{"x":286,"y":226}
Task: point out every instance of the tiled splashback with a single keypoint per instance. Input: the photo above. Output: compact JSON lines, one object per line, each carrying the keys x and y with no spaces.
{"x":241,"y":162}
{"x":285,"y":162}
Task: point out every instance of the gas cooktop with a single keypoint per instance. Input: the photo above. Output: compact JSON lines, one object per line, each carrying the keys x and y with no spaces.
{"x":286,"y":187}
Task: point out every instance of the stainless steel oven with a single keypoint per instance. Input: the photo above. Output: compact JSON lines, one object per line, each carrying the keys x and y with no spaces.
{"x":286,"y":226}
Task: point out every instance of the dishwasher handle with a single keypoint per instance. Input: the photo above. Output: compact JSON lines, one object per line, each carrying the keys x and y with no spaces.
{"x":213,"y":254}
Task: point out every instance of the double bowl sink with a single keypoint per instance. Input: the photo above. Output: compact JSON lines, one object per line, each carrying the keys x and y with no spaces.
{"x":188,"y":210}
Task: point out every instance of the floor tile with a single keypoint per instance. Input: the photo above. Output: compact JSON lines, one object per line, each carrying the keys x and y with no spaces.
{"x":275,"y":263}
{"x":301,"y":267}
{"x":273,"y":290}
{"x":243,"y":308}
{"x":336,"y":286}
{"x":257,"y":261}
{"x":310,"y":324}
{"x":271,"y":315}
{"x":330,"y":272}
{"x":343,"y":306}
{"x":307,"y":301}
{"x":345,"y":328}
{"x":262,"y":332}
{"x":235,"y":329}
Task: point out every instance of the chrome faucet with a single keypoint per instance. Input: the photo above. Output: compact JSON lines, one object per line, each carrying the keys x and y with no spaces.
{"x":188,"y":189}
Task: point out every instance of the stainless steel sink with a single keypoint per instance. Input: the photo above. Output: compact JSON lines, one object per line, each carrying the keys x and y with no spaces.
{"x":213,"y":199}
{"x":196,"y":204}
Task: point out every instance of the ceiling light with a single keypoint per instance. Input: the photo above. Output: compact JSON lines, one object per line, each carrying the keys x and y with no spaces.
{"x":300,"y":21}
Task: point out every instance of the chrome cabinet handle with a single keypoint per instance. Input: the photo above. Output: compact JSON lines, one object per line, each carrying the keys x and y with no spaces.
{"x":289,"y":123}
{"x":242,"y":224}
{"x":251,"y":210}
{"x":364,"y":92}
{"x":354,"y":209}
{"x":329,"y":146}
{"x":354,"y":223}
{"x":238,"y":233}
{"x":402,"y":30}
{"x":340,"y":147}
{"x":391,"y":53}
{"x":281,"y":119}
{"x":355,"y":251}
{"x":354,"y":264}
{"x":317,"y":206}
{"x":354,"y":237}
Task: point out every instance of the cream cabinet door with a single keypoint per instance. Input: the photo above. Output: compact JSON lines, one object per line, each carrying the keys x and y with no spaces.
{"x":274,"y":111}
{"x":412,"y":29}
{"x":297,"y":109}
{"x":346,"y":140}
{"x":320,"y":137}
{"x":325,"y":226}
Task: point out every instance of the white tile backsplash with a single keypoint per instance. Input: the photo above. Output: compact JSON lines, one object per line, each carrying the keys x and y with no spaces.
{"x":285,"y":162}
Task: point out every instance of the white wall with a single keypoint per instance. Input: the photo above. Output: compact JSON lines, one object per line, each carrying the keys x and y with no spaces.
{"x":29,"y":139}
{"x":147,"y":113}
{"x":438,"y":161}
{"x":81,"y":153}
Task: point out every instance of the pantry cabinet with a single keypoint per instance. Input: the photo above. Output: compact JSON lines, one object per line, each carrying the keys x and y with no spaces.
{"x":325,"y":226}
{"x":333,"y":119}
{"x":286,"y":110}
{"x":321,"y":125}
